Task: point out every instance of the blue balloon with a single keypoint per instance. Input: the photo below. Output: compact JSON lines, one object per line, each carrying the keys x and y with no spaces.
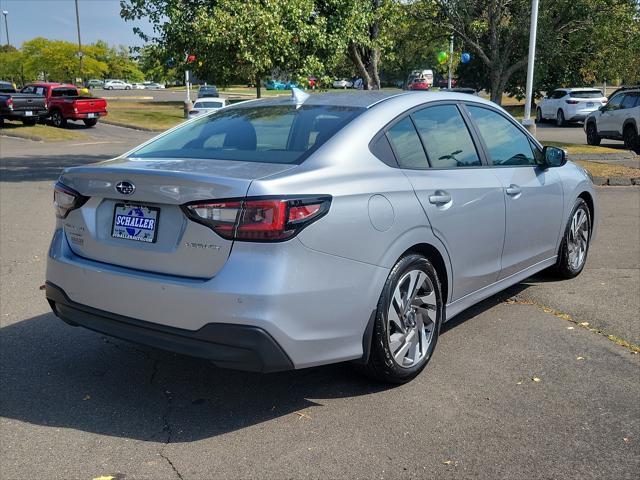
{"x":465,"y":58}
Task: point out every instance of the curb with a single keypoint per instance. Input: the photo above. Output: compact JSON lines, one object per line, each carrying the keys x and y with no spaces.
{"x":33,"y":138}
{"x":616,"y":181}
{"x":131,"y":127}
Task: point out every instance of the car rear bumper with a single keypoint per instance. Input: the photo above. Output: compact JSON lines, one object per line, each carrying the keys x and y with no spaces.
{"x":314,"y":306}
{"x":85,"y":116}
{"x":21,"y":114}
{"x":240,"y":347}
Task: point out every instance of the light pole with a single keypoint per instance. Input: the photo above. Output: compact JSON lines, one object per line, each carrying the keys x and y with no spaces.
{"x":450,"y":62}
{"x":6,"y":25}
{"x":526,"y":121}
{"x":79,"y":42}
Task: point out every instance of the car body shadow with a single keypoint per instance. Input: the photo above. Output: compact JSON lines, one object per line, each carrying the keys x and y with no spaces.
{"x":60,"y":376}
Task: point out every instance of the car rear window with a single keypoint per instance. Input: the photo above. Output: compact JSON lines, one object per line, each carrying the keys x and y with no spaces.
{"x":270,"y":134}
{"x":586,"y":94}
{"x":64,"y":92}
{"x":208,"y":105}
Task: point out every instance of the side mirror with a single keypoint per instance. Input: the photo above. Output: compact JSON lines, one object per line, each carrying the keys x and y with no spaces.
{"x":554,"y":156}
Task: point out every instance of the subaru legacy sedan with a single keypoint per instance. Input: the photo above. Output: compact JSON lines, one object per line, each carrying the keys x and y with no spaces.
{"x":293,"y":232}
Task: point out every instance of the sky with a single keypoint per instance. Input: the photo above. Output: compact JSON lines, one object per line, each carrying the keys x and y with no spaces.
{"x":56,"y":20}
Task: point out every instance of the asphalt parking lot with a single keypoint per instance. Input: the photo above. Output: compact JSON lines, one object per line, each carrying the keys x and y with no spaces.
{"x":528,"y":384}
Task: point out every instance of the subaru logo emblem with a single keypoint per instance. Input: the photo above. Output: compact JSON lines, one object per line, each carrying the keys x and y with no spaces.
{"x":125,"y":188}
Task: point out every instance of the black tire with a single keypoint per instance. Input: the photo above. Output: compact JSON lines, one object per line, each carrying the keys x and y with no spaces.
{"x":29,"y":122}
{"x":381,"y":365}
{"x":560,"y":121}
{"x":564,"y":267}
{"x":90,"y":122}
{"x":592,"y":134}
{"x":57,"y":119}
{"x":539,"y":118}
{"x":127,"y":88}
{"x":631,"y":138}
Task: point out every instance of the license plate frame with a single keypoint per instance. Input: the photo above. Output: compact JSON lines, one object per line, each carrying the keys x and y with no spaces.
{"x":92,"y":115}
{"x":28,"y":113}
{"x":590,"y":104}
{"x":134,"y":231}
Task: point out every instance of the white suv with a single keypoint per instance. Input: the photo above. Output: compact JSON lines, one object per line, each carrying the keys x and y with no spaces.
{"x":569,"y":105}
{"x":618,"y":120}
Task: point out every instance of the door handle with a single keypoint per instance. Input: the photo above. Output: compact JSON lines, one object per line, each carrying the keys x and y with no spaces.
{"x":440,"y":198}
{"x":513,"y":190}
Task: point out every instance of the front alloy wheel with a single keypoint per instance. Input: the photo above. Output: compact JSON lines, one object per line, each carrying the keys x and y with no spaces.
{"x":560,"y":122}
{"x":592,"y":134}
{"x":407,"y":322}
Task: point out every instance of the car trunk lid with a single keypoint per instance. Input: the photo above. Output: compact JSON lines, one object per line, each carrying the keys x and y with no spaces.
{"x":143,"y":226}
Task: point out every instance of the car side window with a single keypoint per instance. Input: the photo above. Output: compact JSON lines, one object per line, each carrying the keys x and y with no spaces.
{"x":27,"y":89}
{"x":407,"y":145}
{"x":445,"y":137}
{"x":615,"y":103}
{"x":507,"y":144}
{"x":628,"y":101}
{"x":558,"y":94}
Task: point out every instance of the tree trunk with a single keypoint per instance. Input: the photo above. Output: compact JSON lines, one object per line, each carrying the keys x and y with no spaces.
{"x":366,"y":61}
{"x":258,"y":87}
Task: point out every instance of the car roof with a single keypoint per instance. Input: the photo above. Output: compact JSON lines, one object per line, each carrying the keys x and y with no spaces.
{"x":366,"y":99}
{"x":579,"y":89}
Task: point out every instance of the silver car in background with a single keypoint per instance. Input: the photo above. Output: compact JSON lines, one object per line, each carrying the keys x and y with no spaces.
{"x":288,"y":233}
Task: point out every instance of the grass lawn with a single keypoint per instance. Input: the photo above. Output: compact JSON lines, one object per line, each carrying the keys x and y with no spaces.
{"x":608,"y":170}
{"x":578,"y":149}
{"x":157,"y":116}
{"x":41,"y":132}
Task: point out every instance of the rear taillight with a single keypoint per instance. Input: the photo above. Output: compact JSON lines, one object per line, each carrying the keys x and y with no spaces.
{"x":259,"y":219}
{"x":9,"y":103}
{"x":572,"y":102}
{"x":66,"y":199}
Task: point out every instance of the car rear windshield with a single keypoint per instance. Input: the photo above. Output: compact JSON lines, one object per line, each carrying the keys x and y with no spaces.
{"x":270,"y":134}
{"x":586,"y":94}
{"x":207,"y":105}
{"x":64,"y":92}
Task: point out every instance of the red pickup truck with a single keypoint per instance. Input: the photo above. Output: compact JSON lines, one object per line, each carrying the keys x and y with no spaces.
{"x":64,"y":103}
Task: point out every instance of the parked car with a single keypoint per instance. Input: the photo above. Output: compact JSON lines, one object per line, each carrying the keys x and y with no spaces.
{"x":425,"y":74}
{"x":64,"y":103}
{"x":342,"y":83}
{"x":419,"y":84}
{"x":203,"y":106}
{"x":287,"y":233}
{"x":619,"y":119}
{"x":116,"y":85}
{"x":94,"y":83}
{"x":290,"y":85}
{"x":566,"y":105}
{"x":443,"y":82}
{"x":207,"y":91}
{"x":138,"y":86}
{"x":25,"y":107}
{"x":154,"y":86}
{"x":274,"y":85}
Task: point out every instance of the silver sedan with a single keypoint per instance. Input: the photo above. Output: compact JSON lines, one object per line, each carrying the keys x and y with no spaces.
{"x":289,"y":233}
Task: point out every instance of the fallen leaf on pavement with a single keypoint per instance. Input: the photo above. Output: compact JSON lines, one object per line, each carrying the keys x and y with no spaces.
{"x":519,"y":383}
{"x":42,"y":287}
{"x":569,"y":328}
{"x":447,"y":462}
{"x":302,"y":415}
{"x":107,"y":477}
{"x":579,"y":358}
{"x":584,"y":324}
{"x":535,"y":379}
{"x":87,"y":397}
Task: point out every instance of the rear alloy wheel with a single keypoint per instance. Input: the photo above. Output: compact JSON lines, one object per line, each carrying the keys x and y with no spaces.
{"x":539,"y":118}
{"x":560,"y":121}
{"x":407,"y":322}
{"x":592,"y":134}
{"x":575,"y":243}
{"x":58,"y":120}
{"x":631,"y":139}
{"x":90,"y":122}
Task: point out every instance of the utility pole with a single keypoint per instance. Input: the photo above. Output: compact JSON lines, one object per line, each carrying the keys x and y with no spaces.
{"x":79,"y":41}
{"x":450,"y":62}
{"x":526,"y":121}
{"x":6,"y":25}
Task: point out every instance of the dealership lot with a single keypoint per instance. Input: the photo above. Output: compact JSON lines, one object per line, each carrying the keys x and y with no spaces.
{"x":518,"y":388}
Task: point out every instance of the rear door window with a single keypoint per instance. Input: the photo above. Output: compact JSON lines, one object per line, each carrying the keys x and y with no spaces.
{"x":407,"y":145}
{"x":445,"y":137}
{"x":629,"y":101}
{"x":507,"y":145}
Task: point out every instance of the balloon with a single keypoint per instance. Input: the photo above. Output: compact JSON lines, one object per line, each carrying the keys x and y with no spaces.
{"x":443,"y":57}
{"x":465,"y":58}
